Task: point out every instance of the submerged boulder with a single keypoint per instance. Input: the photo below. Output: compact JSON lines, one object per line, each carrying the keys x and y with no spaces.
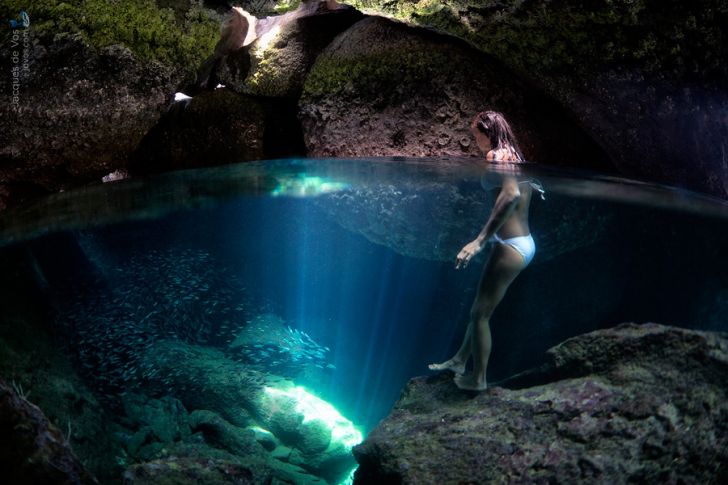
{"x":233,"y":396}
{"x":631,"y":403}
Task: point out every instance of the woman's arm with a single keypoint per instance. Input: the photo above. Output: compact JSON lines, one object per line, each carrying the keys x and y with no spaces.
{"x":504,"y":206}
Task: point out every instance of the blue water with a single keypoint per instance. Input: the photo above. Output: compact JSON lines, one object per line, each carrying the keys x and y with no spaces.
{"x":608,"y":252}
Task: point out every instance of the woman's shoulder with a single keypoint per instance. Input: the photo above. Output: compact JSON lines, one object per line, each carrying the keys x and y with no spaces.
{"x":502,"y":154}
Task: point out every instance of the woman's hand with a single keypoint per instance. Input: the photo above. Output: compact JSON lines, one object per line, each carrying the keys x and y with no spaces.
{"x":467,"y":253}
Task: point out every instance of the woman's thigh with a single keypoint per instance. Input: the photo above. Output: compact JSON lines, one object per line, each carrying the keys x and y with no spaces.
{"x":502,"y":267}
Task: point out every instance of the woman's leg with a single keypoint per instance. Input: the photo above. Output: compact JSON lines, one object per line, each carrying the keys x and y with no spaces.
{"x":504,"y":264}
{"x":457,"y":362}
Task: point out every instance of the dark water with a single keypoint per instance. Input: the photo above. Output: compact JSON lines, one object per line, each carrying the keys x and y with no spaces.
{"x":343,"y":272}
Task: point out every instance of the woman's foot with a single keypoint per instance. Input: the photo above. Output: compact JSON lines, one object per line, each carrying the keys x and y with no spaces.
{"x":453,"y":365}
{"x":470,"y":383}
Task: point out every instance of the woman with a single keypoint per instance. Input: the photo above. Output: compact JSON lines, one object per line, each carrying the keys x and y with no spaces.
{"x":508,"y":226}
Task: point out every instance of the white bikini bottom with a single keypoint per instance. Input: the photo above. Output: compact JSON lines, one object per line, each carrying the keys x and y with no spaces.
{"x":523,"y":244}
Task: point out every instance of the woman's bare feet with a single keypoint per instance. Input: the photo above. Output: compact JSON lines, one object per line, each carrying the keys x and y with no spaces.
{"x":453,"y":365}
{"x":470,"y":383}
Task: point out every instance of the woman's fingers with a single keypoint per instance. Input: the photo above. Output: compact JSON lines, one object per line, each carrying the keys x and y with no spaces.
{"x":462,"y":260}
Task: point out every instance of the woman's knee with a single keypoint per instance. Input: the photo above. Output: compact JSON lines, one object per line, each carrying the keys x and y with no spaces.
{"x":481,"y":312}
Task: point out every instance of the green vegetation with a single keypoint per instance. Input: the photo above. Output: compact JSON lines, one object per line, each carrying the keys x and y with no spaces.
{"x":283,"y":6}
{"x":672,"y":38}
{"x":373,"y":74}
{"x":149,"y":31}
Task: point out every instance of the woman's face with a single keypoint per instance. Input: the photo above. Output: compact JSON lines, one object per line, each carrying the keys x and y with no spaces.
{"x":481,"y":139}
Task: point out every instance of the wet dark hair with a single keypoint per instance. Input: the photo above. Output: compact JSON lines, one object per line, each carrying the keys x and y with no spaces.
{"x":493,"y":125}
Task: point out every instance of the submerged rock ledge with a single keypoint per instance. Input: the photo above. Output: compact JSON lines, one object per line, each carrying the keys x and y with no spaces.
{"x":631,"y":403}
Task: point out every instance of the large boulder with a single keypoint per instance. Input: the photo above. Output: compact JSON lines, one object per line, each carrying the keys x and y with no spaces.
{"x":277,"y":61}
{"x":89,"y":80}
{"x":382,"y":89}
{"x":631,"y":403}
{"x":81,"y":113}
{"x":644,"y":79}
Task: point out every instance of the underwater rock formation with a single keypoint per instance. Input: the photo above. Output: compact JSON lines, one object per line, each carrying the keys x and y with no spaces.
{"x":645,"y":80}
{"x":382,"y":88}
{"x":169,"y":444}
{"x":631,"y":403}
{"x":319,"y":439}
{"x":433,"y":221}
{"x":32,"y":450}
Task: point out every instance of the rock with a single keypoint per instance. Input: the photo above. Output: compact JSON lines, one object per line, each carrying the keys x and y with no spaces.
{"x":218,"y":127}
{"x":32,"y":449}
{"x":382,"y":89}
{"x":222,"y":434}
{"x":320,"y":439}
{"x":631,"y":403}
{"x":641,"y":79}
{"x":243,"y":396}
{"x":142,"y":437}
{"x":277,"y":62}
{"x":199,"y":463}
{"x":175,"y":470}
{"x":165,"y":418}
{"x":266,"y":439}
{"x":315,"y":437}
{"x":81,"y":114}
{"x":282,"y":453}
{"x":210,"y":380}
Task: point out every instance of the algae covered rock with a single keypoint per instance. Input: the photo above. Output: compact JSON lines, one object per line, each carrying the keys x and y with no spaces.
{"x":92,"y":78}
{"x":382,"y":88}
{"x":225,"y":397}
{"x":224,"y":435}
{"x":165,"y":417}
{"x":631,"y":403}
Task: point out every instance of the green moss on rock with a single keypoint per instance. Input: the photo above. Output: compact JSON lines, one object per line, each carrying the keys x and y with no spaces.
{"x":284,"y":6}
{"x":372,"y":74}
{"x":670,"y":38}
{"x":149,"y":31}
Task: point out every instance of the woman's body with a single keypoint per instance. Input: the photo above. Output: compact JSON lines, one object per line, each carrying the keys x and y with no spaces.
{"x":507,"y":225}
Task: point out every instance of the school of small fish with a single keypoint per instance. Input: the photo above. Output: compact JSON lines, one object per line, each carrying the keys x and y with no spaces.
{"x":289,"y":354}
{"x":167,"y":294}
